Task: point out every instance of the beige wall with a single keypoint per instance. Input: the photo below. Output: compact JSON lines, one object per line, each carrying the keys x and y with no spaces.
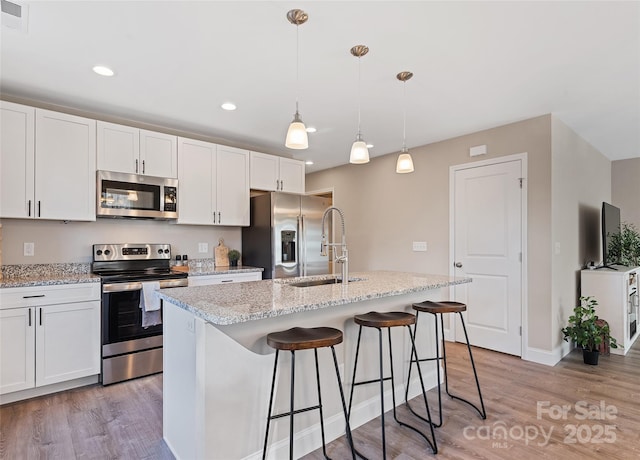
{"x":59,"y":242}
{"x":581,"y":181}
{"x":625,"y":189}
{"x":386,"y":211}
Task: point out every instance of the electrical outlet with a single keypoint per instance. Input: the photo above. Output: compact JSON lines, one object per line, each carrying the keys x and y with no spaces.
{"x":203,"y":247}
{"x":420,"y":246}
{"x":29,"y":249}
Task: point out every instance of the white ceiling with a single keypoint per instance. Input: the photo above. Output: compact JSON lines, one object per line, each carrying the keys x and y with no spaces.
{"x":476,"y":65}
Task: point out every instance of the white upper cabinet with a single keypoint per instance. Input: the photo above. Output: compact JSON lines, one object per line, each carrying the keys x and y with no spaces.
{"x":17,"y":147}
{"x":47,"y":164}
{"x":65,"y":167}
{"x":273,"y":173}
{"x":136,"y":151}
{"x":214,"y":184}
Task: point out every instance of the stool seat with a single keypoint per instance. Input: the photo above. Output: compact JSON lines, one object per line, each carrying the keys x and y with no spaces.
{"x":390,"y":319}
{"x":301,"y":338}
{"x":444,"y":306}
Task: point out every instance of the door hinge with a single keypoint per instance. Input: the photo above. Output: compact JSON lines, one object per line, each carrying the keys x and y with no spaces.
{"x":520,"y":179}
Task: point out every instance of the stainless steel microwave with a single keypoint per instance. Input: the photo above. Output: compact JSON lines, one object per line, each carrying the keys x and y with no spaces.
{"x":136,"y":196}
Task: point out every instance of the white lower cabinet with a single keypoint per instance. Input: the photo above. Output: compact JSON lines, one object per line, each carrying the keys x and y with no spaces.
{"x":55,"y":340}
{"x":206,"y":280}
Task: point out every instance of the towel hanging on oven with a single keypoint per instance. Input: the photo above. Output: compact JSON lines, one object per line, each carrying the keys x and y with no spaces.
{"x":150,"y":304}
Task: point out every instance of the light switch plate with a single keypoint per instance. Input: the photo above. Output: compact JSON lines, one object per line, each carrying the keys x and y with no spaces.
{"x":203,"y":247}
{"x":29,"y":249}
{"x":420,"y":246}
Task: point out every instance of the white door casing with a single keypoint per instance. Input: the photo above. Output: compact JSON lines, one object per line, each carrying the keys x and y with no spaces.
{"x":488,"y":205}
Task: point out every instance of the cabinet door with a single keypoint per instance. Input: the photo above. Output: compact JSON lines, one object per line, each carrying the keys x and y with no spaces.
{"x":264,"y":171}
{"x":158,"y":154}
{"x":118,"y":147}
{"x":232,"y":186}
{"x":291,"y":175}
{"x":16,"y":160}
{"x":17,"y":349}
{"x":67,"y":342}
{"x":65,"y":166}
{"x":195,"y":179}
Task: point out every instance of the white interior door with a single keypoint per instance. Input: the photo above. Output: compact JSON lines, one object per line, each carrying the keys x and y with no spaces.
{"x":487,"y":238}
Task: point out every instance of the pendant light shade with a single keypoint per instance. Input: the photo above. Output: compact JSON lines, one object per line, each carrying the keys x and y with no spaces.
{"x":359,"y":149}
{"x":404,"y":164}
{"x":297,"y":133}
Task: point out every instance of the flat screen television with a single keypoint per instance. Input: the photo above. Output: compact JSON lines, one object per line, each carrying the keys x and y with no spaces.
{"x":610,"y":227}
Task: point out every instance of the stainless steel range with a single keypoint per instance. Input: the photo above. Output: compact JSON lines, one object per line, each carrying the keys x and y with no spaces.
{"x":131,"y":314}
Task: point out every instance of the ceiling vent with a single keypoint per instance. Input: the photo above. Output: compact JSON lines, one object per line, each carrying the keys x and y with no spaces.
{"x":15,"y":15}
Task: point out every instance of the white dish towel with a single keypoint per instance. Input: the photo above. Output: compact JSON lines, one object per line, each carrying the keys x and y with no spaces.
{"x":150,"y":304}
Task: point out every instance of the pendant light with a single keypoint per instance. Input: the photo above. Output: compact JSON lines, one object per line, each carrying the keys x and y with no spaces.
{"x":405,"y":162}
{"x":359,"y":150}
{"x":297,"y":133}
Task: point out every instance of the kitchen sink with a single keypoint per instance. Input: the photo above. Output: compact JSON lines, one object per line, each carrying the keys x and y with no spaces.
{"x":322,"y":282}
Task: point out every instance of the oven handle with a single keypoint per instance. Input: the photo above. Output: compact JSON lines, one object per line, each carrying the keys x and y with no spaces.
{"x":137,"y":286}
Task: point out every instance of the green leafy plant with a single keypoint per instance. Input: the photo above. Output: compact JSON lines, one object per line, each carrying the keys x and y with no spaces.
{"x":625,"y":246}
{"x":234,"y":255}
{"x":585,"y":328}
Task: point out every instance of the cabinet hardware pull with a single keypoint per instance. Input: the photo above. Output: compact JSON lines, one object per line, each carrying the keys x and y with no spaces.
{"x":41,"y":317}
{"x":32,"y":296}
{"x":29,"y":213}
{"x":29,"y":317}
{"x":39,"y":208}
{"x":136,"y":166}
{"x":226,"y":281}
{"x":143,"y":168}
{"x":281,"y":185}
{"x":214,"y":217}
{"x":219,"y":218}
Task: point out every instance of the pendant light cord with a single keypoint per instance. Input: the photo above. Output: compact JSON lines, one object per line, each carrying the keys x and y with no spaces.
{"x":359,"y":97}
{"x":297,"y":67}
{"x":404,"y":117}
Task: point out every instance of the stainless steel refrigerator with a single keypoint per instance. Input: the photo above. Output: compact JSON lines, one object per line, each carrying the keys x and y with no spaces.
{"x":285,"y":235}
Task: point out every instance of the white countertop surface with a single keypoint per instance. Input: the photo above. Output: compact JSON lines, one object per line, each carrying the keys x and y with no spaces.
{"x":240,"y":302}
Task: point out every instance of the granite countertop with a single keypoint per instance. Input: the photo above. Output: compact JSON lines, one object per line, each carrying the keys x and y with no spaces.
{"x":46,"y":275}
{"x":240,"y":302}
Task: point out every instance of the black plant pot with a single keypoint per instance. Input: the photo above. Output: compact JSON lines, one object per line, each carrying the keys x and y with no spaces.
{"x":590,"y":356}
{"x":233,"y":263}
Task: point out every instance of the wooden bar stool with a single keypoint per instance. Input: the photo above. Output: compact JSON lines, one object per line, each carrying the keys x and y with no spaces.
{"x":381,"y":321}
{"x":439,"y":309}
{"x":295,"y":339}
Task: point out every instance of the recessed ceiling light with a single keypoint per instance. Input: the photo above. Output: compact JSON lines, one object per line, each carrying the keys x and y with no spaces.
{"x":311,"y":129}
{"x":228,"y":106}
{"x":308,"y":162}
{"x":370,"y":146}
{"x":103,"y":70}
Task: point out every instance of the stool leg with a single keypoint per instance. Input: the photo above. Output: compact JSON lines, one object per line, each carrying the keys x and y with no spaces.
{"x":384,"y":442}
{"x":324,"y":448}
{"x":273,"y":383}
{"x":344,"y":405}
{"x":293,"y":382}
{"x":355,"y":366}
{"x":482,"y":412}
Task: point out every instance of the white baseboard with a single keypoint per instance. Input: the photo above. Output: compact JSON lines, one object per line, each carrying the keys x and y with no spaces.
{"x":48,"y":389}
{"x":308,"y":440}
{"x":546,"y":357}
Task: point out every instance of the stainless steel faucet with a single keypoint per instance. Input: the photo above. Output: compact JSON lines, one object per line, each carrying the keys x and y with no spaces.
{"x":343,"y":258}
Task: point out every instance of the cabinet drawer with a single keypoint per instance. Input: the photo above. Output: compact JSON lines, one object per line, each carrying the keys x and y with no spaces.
{"x":205,"y":280}
{"x":48,"y":295}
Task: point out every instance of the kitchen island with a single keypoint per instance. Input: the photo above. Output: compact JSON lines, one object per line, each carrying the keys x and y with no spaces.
{"x":217,"y":365}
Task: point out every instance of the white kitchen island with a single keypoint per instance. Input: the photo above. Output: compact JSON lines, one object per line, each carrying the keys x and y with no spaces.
{"x":218,"y":367}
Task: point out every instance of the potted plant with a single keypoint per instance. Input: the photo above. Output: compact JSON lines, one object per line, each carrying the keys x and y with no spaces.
{"x":234,"y":256}
{"x":587,"y":330}
{"x":625,"y":246}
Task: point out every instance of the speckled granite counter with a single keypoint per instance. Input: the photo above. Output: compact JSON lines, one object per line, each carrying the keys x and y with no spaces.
{"x":46,"y":275}
{"x":240,"y":302}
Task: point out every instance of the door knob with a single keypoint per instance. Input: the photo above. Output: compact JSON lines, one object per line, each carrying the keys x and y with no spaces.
{"x":458,"y":264}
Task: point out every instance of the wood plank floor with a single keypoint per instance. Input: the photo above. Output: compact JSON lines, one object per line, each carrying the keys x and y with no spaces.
{"x":124,"y":421}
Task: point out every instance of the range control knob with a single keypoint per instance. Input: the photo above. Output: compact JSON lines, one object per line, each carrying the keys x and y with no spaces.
{"x":107,"y":252}
{"x":166,"y":251}
{"x":159,"y":251}
{"x":99,"y":252}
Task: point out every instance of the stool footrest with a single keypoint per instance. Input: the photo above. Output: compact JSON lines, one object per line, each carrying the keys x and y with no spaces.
{"x":366,"y":382}
{"x":295,"y":412}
